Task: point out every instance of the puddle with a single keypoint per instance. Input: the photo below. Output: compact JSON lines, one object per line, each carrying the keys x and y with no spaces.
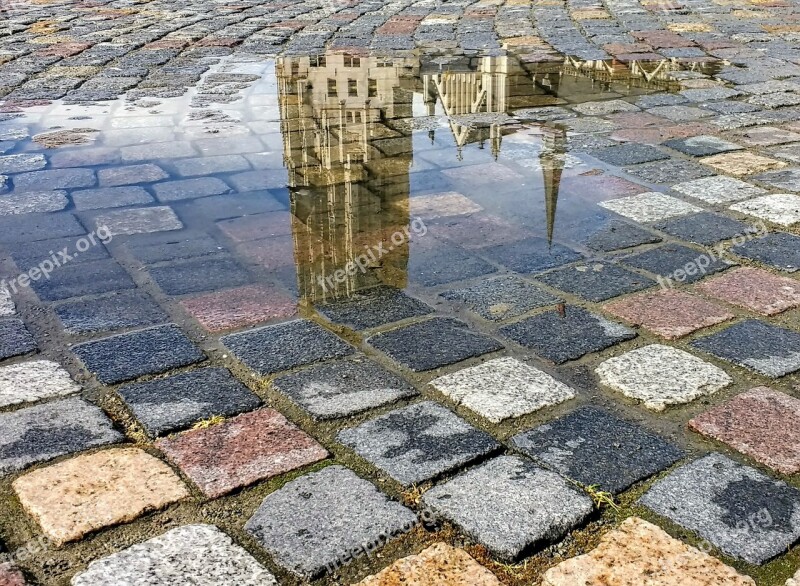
{"x":476,"y":152}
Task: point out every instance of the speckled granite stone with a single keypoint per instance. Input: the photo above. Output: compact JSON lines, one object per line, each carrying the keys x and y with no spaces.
{"x":649,"y":207}
{"x":118,"y":311}
{"x":34,"y":380}
{"x":433,"y":343}
{"x":139,"y":220}
{"x":560,"y":338}
{"x":758,"y":346}
{"x":418,"y":443}
{"x":127,"y":356}
{"x":438,"y":565}
{"x":11,"y":576}
{"x":7,"y":305}
{"x":531,"y":255}
{"x":445,"y":204}
{"x":510,"y":505}
{"x":43,"y":432}
{"x":744,"y":513}
{"x":288,"y":345}
{"x":322,"y":520}
{"x":699,"y":146}
{"x":199,"y":275}
{"x":616,"y":235}
{"x":201,"y":555}
{"x":669,"y":313}
{"x":36,"y":202}
{"x":499,"y":298}
{"x":342,"y":388}
{"x":790,"y":582}
{"x":374,"y":307}
{"x":705,"y":228}
{"x":742,"y":163}
{"x":241,"y":451}
{"x":596,"y":281}
{"x":93,"y":491}
{"x":677,"y":264}
{"x":660,"y":376}
{"x":718,"y":189}
{"x":761,"y":423}
{"x":779,"y":208}
{"x":595,"y":448}
{"x":503,"y":388}
{"x":77,"y":280}
{"x":779,"y":250}
{"x":178,"y":401}
{"x":629,"y":154}
{"x":15,"y":339}
{"x":639,"y":553}
{"x":754,"y":289}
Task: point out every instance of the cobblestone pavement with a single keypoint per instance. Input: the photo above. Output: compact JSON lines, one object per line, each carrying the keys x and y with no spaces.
{"x":369,"y":292}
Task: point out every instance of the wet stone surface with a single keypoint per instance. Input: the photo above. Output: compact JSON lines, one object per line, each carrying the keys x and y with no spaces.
{"x":736,"y":508}
{"x":596,"y":281}
{"x":509,"y":504}
{"x":501,"y":298}
{"x":343,"y":388}
{"x":595,"y":448}
{"x":418,"y":443}
{"x":15,"y":339}
{"x":300,"y":524}
{"x":169,"y":404}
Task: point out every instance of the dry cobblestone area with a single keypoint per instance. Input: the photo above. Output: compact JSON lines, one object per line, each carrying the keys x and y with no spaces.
{"x":372,"y":292}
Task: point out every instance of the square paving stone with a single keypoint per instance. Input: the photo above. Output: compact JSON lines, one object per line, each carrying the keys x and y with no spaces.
{"x":779,"y":250}
{"x":532,"y":255}
{"x":503,"y":388}
{"x":110,"y":197}
{"x":499,"y":298}
{"x":33,"y":381}
{"x":672,"y":262}
{"x":754,"y":289}
{"x":131,"y":175}
{"x":33,"y":227}
{"x":28,"y":255}
{"x":7,"y":305}
{"x":629,"y":154}
{"x":91,"y":278}
{"x":560,"y":337}
{"x":638,"y":552}
{"x":596,"y":281}
{"x":240,"y":307}
{"x":93,"y":491}
{"x":301,"y":524}
{"x":175,"y":402}
{"x":616,"y":235}
{"x":343,"y":388}
{"x":661,"y":376}
{"x":127,"y":356}
{"x":15,"y":339}
{"x":258,"y":226}
{"x":33,"y":202}
{"x":510,"y":506}
{"x":758,"y":346}
{"x":192,"y":554}
{"x":704,"y":228}
{"x":595,"y":448}
{"x":433,"y":262}
{"x":199,"y":275}
{"x":374,"y":307}
{"x":670,"y":314}
{"x":718,"y":189}
{"x":288,"y":345}
{"x":139,"y":221}
{"x":742,"y":163}
{"x":433,"y":343}
{"x":55,"y":179}
{"x":700,"y":146}
{"x":779,"y":208}
{"x":649,"y":207}
{"x":439,"y":564}
{"x":761,"y":423}
{"x":669,"y":172}
{"x":744,"y":513}
{"x":190,"y":188}
{"x":43,"y":432}
{"x":123,"y":310}
{"x":418,"y":443}
{"x":786,"y":179}
{"x":440,"y":205}
{"x":679,"y":113}
{"x":168,"y":246}
{"x":241,"y":451}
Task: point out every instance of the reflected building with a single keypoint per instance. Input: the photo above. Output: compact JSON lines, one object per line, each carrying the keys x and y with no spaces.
{"x":348,"y":169}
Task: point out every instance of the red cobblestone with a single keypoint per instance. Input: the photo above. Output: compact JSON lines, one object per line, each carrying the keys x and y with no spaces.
{"x":240,"y":307}
{"x":754,"y":289}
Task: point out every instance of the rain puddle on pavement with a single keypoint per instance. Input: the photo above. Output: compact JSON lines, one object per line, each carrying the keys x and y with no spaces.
{"x":328,"y":175}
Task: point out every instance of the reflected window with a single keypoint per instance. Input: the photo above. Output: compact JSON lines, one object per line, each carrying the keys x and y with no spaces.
{"x":372,"y":88}
{"x":385,"y":63}
{"x":318,"y":61}
{"x":332,"y":92}
{"x":352,"y":61}
{"x":352,"y":87}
